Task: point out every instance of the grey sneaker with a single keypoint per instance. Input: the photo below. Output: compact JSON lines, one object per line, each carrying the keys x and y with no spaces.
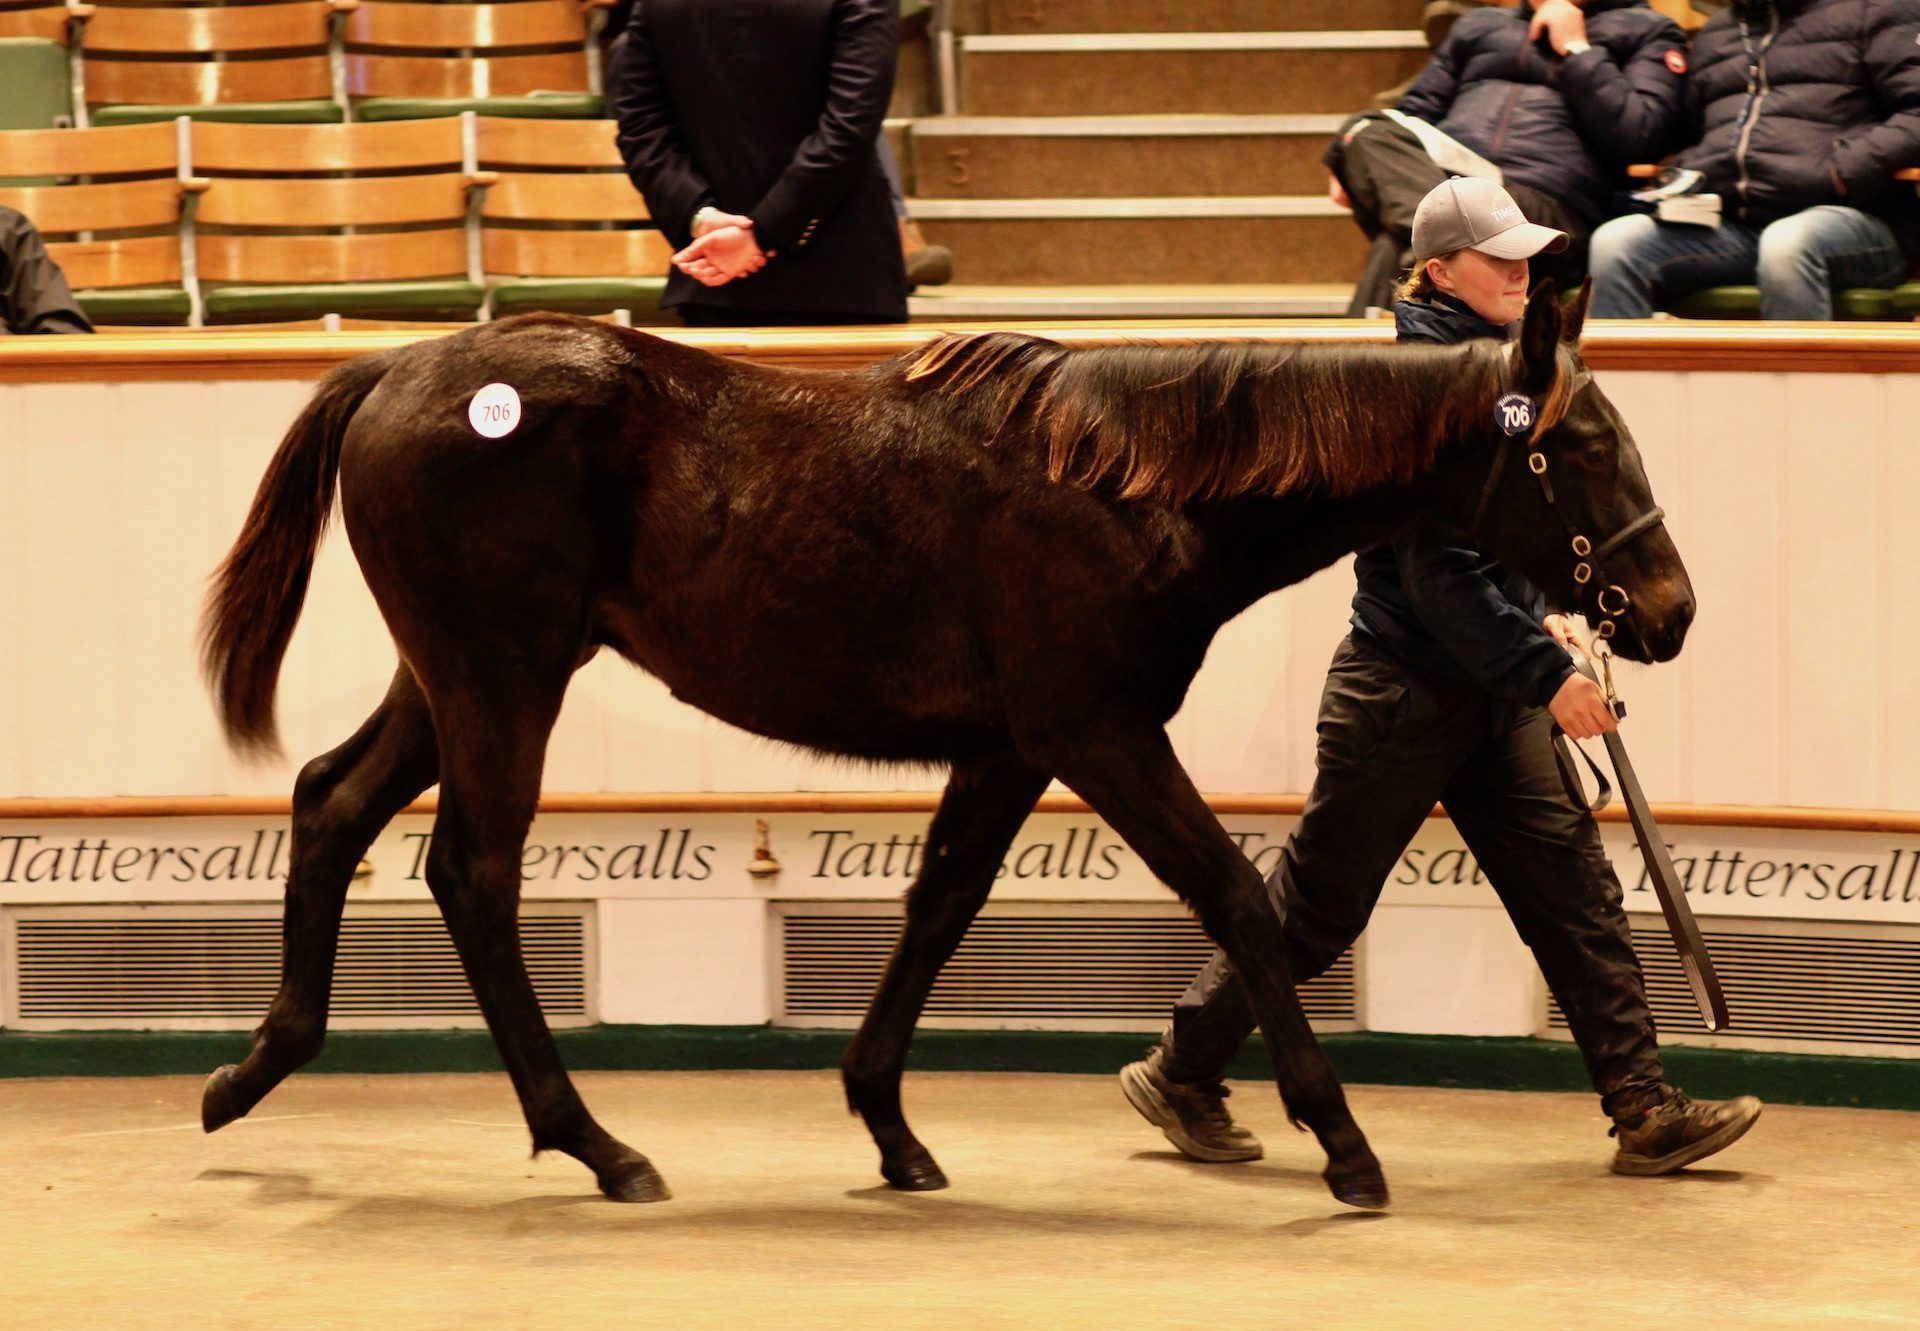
{"x":1194,"y":1117}
{"x":1678,"y":1131}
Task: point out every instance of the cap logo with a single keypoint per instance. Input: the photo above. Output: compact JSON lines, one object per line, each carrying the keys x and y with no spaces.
{"x":1502,"y":214}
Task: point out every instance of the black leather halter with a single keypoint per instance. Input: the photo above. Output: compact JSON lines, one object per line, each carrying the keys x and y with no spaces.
{"x":1588,"y":555}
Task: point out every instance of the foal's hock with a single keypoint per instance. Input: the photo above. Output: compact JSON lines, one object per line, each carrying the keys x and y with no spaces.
{"x":995,"y":553}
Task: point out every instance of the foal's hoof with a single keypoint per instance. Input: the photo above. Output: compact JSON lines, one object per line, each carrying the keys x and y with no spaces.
{"x":1366,"y":1189}
{"x":635,"y":1181}
{"x":219,"y":1105}
{"x":919,"y":1175}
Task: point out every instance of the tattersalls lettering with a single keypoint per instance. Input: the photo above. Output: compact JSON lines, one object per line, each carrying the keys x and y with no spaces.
{"x":672,"y":856}
{"x":1888,"y":878}
{"x":26,"y":858}
{"x":1897,"y":879}
{"x":1084,"y":854}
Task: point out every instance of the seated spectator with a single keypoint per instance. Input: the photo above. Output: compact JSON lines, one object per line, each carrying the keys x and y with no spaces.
{"x":34,"y":295}
{"x":1803,"y":170}
{"x":753,"y":132}
{"x":1554,"y":102}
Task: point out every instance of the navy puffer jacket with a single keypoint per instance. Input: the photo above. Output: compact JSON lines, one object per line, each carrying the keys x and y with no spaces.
{"x":1827,"y":96}
{"x":1441,"y":609}
{"x":1566,"y":127}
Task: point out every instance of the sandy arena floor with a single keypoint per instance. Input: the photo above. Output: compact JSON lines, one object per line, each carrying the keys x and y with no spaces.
{"x":409,"y":1202}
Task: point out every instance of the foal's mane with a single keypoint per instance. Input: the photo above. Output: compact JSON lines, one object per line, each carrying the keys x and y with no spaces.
{"x":1219,"y":420}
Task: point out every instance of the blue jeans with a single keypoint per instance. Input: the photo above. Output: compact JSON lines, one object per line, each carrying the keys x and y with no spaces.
{"x":1639,"y":263}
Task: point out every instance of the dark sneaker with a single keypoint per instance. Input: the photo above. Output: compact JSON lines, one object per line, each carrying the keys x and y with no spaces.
{"x":1678,"y":1131}
{"x":1194,"y":1117}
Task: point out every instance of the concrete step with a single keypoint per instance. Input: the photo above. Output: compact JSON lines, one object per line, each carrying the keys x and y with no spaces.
{"x":1092,"y":242}
{"x":1008,"y":157}
{"x":1037,"y":16}
{"x":1245,"y":73}
{"x":957,"y":303}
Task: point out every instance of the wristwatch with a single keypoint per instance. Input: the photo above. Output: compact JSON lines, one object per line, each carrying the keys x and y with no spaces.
{"x":1578,"y":46}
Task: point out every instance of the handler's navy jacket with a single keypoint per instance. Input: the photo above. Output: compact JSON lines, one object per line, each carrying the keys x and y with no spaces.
{"x":1442,"y":609}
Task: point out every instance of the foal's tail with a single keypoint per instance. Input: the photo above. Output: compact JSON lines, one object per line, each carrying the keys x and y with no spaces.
{"x":259,"y":588}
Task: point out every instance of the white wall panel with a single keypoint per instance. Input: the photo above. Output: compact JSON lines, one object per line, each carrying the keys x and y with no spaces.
{"x":1788,"y":496}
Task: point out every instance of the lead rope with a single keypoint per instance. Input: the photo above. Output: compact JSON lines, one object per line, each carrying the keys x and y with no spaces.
{"x":1695,"y":961}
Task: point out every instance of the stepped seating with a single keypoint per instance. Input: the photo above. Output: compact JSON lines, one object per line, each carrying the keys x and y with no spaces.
{"x":232,"y":223}
{"x":379,"y":229}
{"x":531,"y":58}
{"x":1145,"y":160}
{"x":1225,"y":73}
{"x":119,"y":241}
{"x":562,"y":228}
{"x":266,"y":62}
{"x":1078,"y":16}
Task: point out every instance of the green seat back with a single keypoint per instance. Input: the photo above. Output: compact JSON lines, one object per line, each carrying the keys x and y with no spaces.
{"x":36,"y":91}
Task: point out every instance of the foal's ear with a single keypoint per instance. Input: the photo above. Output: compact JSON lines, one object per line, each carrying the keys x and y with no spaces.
{"x":1573,"y":315}
{"x":1540,"y":339}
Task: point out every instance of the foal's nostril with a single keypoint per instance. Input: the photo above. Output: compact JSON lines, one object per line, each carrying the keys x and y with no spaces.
{"x":1664,"y":644}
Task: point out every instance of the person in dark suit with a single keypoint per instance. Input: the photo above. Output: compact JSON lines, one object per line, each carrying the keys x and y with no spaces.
{"x":34,"y":295}
{"x":751,"y":130}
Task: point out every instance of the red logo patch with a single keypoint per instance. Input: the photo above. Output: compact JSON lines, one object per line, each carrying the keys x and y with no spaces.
{"x":1677,"y":60}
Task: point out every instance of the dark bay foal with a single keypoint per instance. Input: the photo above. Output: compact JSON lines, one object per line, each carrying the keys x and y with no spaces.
{"x":995,"y":553}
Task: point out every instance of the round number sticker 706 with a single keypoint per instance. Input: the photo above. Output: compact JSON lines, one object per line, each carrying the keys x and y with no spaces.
{"x":494,"y":411}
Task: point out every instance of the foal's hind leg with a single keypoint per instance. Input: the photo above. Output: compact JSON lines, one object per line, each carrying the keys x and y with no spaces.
{"x":1132,"y":779}
{"x":340,"y":803}
{"x":492,"y":747}
{"x":983,"y":808}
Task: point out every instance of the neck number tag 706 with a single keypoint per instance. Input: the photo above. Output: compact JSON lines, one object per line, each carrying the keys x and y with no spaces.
{"x":1513,"y":413}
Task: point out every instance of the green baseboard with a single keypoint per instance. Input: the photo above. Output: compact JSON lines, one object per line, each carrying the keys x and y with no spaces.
{"x":1368,"y":1058}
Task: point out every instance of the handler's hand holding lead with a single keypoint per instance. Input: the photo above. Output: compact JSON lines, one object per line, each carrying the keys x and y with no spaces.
{"x":1581,"y":708}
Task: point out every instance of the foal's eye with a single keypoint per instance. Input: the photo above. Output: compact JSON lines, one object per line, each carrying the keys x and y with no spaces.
{"x":1596,"y":455}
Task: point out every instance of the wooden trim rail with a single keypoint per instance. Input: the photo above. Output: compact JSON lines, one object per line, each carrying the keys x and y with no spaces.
{"x":1673,"y":345}
{"x":1903,"y":822}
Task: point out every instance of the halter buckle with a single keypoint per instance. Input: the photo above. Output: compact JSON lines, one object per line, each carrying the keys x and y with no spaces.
{"x":1582,"y":572}
{"x":1537,"y":463}
{"x":1600,"y":599}
{"x":1605,"y":629}
{"x":1582,"y":546}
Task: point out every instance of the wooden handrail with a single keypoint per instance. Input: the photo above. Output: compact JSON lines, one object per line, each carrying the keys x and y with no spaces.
{"x":1692,"y":345}
{"x":1901,"y":822}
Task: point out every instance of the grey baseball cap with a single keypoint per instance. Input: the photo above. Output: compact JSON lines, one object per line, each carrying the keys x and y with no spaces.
{"x":1473,"y":213}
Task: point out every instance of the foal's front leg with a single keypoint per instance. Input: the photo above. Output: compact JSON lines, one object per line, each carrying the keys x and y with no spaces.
{"x":1133,"y":780}
{"x":983,"y":807}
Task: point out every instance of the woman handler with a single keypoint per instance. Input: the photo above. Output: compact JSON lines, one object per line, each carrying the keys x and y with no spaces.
{"x":1446,"y":691}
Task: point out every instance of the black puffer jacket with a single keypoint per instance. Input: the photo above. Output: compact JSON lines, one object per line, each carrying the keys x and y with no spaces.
{"x":1827,"y":96}
{"x":1567,"y":127}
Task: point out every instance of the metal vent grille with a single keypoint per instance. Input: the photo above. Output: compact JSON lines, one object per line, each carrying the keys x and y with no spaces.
{"x":1091,"y":967}
{"x":1789,"y":980}
{"x":218,"y":967}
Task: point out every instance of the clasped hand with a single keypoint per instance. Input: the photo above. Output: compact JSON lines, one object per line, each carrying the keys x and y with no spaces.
{"x":725,"y":250}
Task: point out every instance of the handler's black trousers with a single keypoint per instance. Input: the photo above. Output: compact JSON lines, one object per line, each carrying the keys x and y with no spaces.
{"x":1386,"y":172}
{"x":1392,"y":743}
